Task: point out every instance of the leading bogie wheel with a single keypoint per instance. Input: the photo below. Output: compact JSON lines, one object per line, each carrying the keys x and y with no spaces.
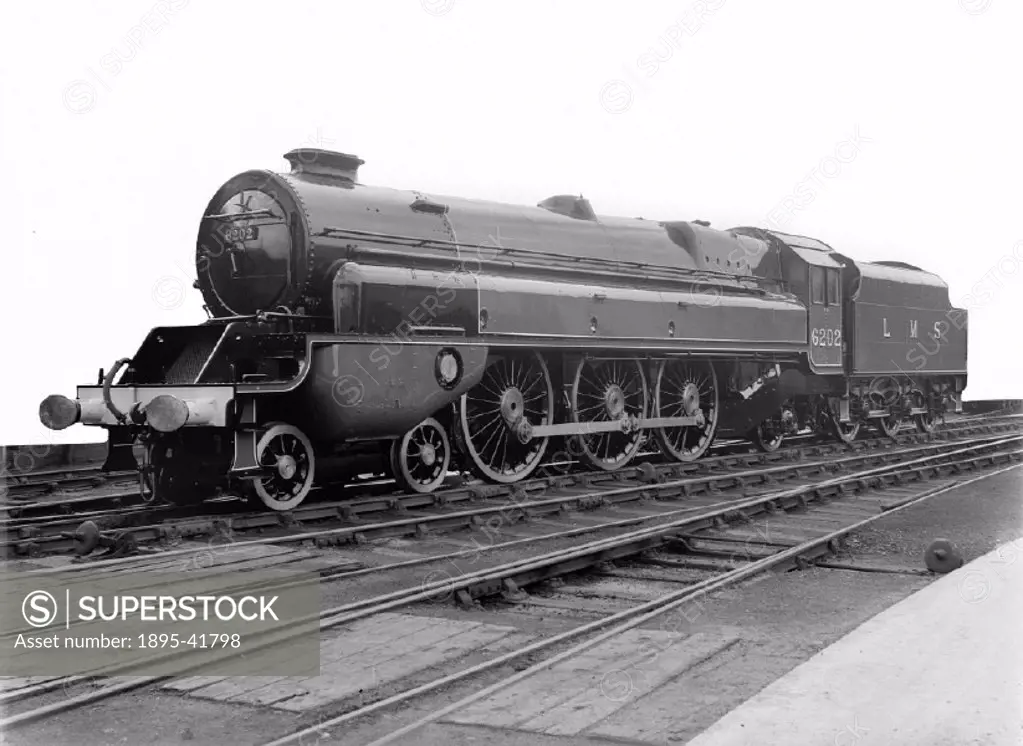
{"x":289,"y":465}
{"x":420,"y":459}
{"x":173,"y":481}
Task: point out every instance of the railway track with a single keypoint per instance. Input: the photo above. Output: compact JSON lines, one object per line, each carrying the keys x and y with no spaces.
{"x":706,"y":547}
{"x":62,"y":491}
{"x":76,"y":489}
{"x":359,"y":519}
{"x":19,"y":507}
{"x":65,"y":481}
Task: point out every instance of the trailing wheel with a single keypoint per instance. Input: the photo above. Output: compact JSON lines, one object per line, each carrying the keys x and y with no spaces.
{"x":497,"y":417}
{"x":420,"y":459}
{"x":289,"y":466}
{"x":608,"y":391}
{"x":686,"y":388}
{"x":767,"y":437}
{"x":924,"y":422}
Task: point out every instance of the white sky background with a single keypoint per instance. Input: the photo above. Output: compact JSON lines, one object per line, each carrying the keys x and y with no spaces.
{"x":106,"y":180}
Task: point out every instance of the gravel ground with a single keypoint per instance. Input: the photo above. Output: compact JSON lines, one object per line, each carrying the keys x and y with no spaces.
{"x":783,"y":619}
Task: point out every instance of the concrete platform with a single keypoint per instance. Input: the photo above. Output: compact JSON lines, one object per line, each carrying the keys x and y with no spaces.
{"x":943,"y":666}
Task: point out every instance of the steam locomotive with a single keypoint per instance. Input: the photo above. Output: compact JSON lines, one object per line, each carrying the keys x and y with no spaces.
{"x":441,"y":332}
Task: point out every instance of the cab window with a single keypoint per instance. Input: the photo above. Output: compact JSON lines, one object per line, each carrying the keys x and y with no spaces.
{"x":834,"y":288}
{"x":817,"y":285}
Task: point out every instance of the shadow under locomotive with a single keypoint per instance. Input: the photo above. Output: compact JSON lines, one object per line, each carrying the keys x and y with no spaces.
{"x":433,"y":332}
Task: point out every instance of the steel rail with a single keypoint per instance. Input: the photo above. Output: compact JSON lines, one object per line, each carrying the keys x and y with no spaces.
{"x":358,"y":610}
{"x":829,"y":445}
{"x":623,"y":620}
{"x":17,"y":480}
{"x":410,"y":525}
{"x":779,"y":495}
{"x":624,"y":472}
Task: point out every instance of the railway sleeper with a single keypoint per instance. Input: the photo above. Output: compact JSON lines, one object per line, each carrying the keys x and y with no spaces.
{"x":512,"y":593}
{"x":594,"y":502}
{"x":723,"y":549}
{"x":707,"y":562}
{"x":526,"y":577}
{"x":28,"y":549}
{"x":807,"y":560}
{"x":851,"y":567}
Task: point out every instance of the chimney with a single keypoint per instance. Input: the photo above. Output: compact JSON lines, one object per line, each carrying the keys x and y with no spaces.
{"x":324,"y":163}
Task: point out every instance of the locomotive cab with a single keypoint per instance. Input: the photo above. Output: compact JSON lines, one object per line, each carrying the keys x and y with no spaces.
{"x":810,"y":269}
{"x":824,"y":314}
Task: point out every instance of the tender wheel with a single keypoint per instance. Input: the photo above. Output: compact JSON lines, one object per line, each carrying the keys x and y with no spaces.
{"x":924,"y":422}
{"x":497,"y":417}
{"x":286,"y":455}
{"x":686,"y":388}
{"x":766,"y":437}
{"x":421,"y":458}
{"x":844,"y":431}
{"x":603,"y":391}
{"x":886,"y":425}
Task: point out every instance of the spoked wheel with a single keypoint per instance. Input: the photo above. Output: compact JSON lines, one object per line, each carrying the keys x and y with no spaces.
{"x":886,"y":425}
{"x":924,"y":422}
{"x":844,"y":431}
{"x":421,"y":458}
{"x":607,"y":391}
{"x":498,"y":415}
{"x":289,"y":465}
{"x":767,"y":438}
{"x":686,"y":388}
{"x":828,"y":422}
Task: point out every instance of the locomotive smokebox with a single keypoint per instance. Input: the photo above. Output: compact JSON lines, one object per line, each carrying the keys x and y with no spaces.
{"x":266,"y":241}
